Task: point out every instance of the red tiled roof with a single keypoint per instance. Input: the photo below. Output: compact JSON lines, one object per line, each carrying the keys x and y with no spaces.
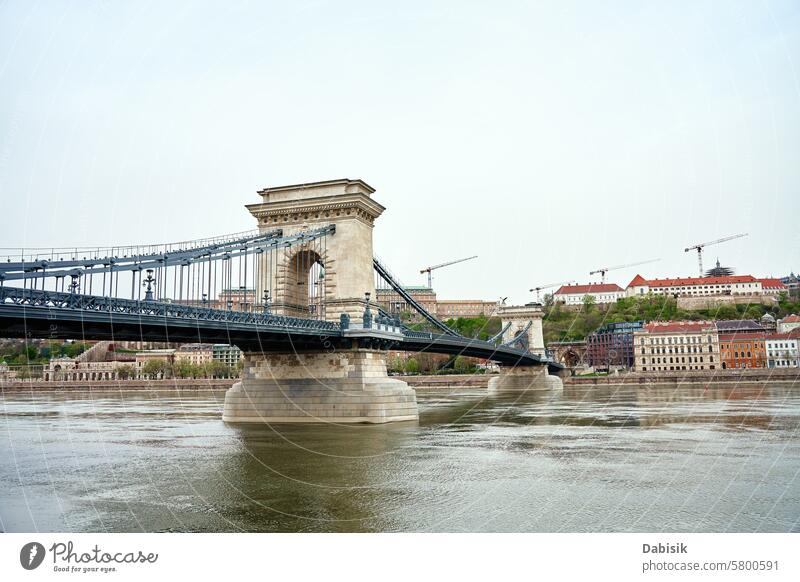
{"x":678,"y":326}
{"x":791,"y":319}
{"x":772,"y":284}
{"x":688,"y":281}
{"x":794,"y":334}
{"x":741,"y":335}
{"x":637,"y":281}
{"x":590,"y":288}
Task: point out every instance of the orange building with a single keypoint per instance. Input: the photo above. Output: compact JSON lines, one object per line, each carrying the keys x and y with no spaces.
{"x":743,"y":350}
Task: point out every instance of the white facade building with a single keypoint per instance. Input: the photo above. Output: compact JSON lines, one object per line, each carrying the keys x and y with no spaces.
{"x":603,"y":293}
{"x":782,"y":350}
{"x":788,"y":323}
{"x":699,"y":286}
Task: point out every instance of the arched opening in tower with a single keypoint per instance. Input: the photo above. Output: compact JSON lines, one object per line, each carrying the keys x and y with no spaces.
{"x":305,"y":284}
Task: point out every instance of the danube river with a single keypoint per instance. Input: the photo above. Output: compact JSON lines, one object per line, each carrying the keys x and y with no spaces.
{"x":586,"y":460}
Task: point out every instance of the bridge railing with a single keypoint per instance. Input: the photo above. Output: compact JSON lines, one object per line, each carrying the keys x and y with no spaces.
{"x":34,"y":298}
{"x":37,"y":254}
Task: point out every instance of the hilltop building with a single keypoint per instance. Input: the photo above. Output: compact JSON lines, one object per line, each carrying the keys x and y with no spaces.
{"x":391,"y":302}
{"x":603,"y":293}
{"x":736,"y":285}
{"x":719,"y":271}
{"x":792,"y":283}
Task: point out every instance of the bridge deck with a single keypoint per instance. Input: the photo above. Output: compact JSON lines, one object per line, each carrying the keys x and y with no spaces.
{"x":48,"y":314}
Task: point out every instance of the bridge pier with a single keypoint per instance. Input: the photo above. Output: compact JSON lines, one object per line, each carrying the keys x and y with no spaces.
{"x":343,"y":386}
{"x":521,"y":378}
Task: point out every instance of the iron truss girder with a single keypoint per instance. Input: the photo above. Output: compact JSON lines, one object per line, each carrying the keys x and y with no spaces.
{"x":15,"y":271}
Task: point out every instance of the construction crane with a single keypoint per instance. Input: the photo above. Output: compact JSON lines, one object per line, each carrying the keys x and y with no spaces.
{"x":604,"y":270}
{"x":699,"y":248}
{"x":434,"y":267}
{"x":540,"y":288}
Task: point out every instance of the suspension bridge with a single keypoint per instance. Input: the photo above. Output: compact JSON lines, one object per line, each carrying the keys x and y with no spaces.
{"x":297,"y":295}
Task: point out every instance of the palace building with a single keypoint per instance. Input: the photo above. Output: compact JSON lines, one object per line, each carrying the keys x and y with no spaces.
{"x":603,"y":293}
{"x":677,"y":345}
{"x":737,"y":285}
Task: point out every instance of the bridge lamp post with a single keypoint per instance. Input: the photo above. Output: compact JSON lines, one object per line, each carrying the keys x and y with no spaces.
{"x":266,"y":302}
{"x":367,"y":312}
{"x":148,"y":282}
{"x":243,"y":299}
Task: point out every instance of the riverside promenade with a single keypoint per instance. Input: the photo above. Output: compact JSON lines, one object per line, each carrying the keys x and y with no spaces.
{"x":197,"y":384}
{"x":788,"y":377}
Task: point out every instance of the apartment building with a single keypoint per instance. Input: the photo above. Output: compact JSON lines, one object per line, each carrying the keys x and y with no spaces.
{"x":677,"y":345}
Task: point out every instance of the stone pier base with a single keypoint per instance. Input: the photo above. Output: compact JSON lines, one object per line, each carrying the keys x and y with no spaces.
{"x":521,"y":378}
{"x":346,"y":386}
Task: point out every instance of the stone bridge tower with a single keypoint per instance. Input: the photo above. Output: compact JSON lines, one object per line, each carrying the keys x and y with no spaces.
{"x":522,"y":378}
{"x":342,"y":385}
{"x":519,"y":316}
{"x":343,"y":264}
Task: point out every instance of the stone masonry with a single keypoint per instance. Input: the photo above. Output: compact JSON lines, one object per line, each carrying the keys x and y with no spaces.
{"x":522,"y":378}
{"x":346,"y":386}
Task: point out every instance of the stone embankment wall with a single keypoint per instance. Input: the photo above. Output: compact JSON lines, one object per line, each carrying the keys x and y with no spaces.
{"x":710,"y":302}
{"x":115,"y":385}
{"x":791,"y":376}
{"x":448,"y":381}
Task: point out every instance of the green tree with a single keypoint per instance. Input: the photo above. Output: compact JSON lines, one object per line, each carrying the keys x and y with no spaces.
{"x":217,"y":369}
{"x":184,"y":369}
{"x":412,"y":366}
{"x":126,"y":372}
{"x":396,"y":365}
{"x":154,"y":369}
{"x":463,"y":365}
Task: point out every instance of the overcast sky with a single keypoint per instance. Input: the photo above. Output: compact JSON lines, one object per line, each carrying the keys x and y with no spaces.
{"x":549,"y":138}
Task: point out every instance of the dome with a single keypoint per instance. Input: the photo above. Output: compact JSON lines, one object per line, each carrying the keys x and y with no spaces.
{"x":767,"y":318}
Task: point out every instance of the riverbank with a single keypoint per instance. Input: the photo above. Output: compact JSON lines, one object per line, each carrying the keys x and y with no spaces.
{"x":790,"y":377}
{"x":772,"y":376}
{"x":202,"y":384}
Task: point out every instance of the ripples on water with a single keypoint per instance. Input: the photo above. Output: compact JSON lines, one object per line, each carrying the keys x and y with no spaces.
{"x":626,"y":459}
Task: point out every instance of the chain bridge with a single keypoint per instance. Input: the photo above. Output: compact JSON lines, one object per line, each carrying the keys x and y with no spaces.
{"x":297,"y":295}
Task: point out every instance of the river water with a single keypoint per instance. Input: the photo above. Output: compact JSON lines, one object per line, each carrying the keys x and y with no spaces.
{"x":610,"y":459}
